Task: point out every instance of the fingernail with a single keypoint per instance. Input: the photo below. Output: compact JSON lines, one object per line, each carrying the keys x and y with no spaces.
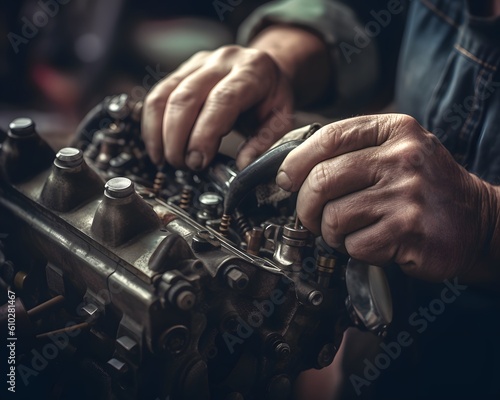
{"x":194,"y":160}
{"x":283,"y":181}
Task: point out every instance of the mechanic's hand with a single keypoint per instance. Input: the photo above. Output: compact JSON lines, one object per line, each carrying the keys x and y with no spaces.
{"x":187,"y":113}
{"x":388,"y":191}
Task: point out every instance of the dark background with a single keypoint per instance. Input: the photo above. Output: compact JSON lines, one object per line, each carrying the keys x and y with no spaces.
{"x":84,"y":50}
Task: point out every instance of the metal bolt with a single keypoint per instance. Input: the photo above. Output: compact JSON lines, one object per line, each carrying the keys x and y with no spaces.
{"x":200,"y":244}
{"x":22,"y":127}
{"x":210,"y":200}
{"x":236,"y":278}
{"x":278,"y":347}
{"x":117,"y":366}
{"x":90,"y":309}
{"x":224,"y":224}
{"x":315,"y":298}
{"x":204,"y":241}
{"x":118,"y":107}
{"x":186,"y":197}
{"x":185,"y":300}
{"x":282,"y":350}
{"x":128,"y":345}
{"x":69,"y":157}
{"x":119,"y":187}
{"x":175,"y":339}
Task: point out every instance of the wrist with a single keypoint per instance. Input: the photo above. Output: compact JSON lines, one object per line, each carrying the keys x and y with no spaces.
{"x":487,"y":268}
{"x":302,"y":57}
{"x":494,"y":215}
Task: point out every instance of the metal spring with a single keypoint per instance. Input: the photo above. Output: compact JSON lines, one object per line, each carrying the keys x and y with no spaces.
{"x":158,"y":183}
{"x":186,"y":197}
{"x":224,"y":224}
{"x":242,"y":223}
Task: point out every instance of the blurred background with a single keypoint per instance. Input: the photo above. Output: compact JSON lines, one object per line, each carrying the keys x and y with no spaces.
{"x":61,"y":57}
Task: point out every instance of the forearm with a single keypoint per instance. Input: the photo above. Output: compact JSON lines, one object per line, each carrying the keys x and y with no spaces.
{"x":351,"y":79}
{"x":302,"y":56}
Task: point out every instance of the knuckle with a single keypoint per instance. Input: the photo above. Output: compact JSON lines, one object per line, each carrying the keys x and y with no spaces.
{"x":247,"y":77}
{"x":158,"y":96}
{"x":223,"y":95}
{"x":407,"y":122}
{"x":412,"y":148}
{"x":410,"y":218}
{"x":154,"y":101}
{"x":332,"y":219}
{"x":201,"y":54}
{"x":331,"y":133}
{"x":320,"y":179}
{"x":356,"y":249}
{"x":411,"y":151}
{"x":182,"y":96}
{"x":227,"y":51}
{"x":256,"y":58}
{"x":194,"y":59}
{"x":332,"y":239}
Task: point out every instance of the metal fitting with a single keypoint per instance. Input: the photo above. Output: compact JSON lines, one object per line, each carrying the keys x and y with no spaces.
{"x":119,"y":188}
{"x":69,"y":157}
{"x":236,"y":278}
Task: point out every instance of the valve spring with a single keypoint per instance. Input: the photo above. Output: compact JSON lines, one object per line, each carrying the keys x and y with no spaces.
{"x":159,"y":181}
{"x":224,"y":224}
{"x":242,"y":223}
{"x":186,"y":197}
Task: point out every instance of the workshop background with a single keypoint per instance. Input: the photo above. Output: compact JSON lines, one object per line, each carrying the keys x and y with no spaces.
{"x":61,"y":57}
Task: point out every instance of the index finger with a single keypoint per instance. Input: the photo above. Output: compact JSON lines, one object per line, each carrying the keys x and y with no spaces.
{"x":155,"y":103}
{"x":330,"y":141}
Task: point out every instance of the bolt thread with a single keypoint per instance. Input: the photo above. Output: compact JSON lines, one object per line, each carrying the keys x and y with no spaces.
{"x":224,"y":224}
{"x":242,"y":223}
{"x":186,"y":198}
{"x":159,"y":182}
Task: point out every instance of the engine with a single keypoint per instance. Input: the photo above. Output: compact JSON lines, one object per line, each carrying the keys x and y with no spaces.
{"x":130,"y":281}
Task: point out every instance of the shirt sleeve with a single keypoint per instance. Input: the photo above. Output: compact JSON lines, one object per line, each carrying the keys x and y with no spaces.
{"x":357,"y":63}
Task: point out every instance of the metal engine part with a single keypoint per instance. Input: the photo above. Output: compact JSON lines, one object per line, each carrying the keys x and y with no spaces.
{"x":129,"y":285}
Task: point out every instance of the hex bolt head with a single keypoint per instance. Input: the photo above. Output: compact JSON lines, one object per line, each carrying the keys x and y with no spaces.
{"x":69,"y":157}
{"x":90,"y":309}
{"x":119,"y":187}
{"x":118,"y":367}
{"x":236,"y":278}
{"x":128,"y":345}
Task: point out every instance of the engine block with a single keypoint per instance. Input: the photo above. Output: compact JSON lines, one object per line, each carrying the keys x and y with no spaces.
{"x":131,"y":283}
